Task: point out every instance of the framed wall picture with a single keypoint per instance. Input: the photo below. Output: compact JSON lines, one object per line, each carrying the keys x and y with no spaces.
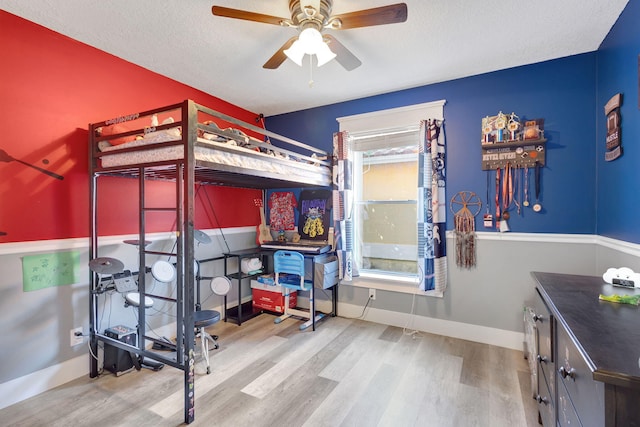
{"x":612,"y":111}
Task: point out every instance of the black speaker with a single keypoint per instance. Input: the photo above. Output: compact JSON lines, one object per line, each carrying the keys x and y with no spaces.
{"x":117,"y":360}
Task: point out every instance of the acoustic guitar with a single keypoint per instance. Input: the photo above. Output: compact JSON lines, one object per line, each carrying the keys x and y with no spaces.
{"x":263,"y":233}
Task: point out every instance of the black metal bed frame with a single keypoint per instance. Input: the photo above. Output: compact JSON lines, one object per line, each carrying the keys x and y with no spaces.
{"x":186,"y":173}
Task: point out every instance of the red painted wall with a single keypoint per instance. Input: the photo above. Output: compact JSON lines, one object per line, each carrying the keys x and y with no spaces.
{"x":51,"y":88}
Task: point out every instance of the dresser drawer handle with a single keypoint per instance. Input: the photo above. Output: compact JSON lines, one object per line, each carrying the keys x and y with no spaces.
{"x":542,"y":359}
{"x":542,"y":399}
{"x":570,"y":373}
{"x":537,"y":317}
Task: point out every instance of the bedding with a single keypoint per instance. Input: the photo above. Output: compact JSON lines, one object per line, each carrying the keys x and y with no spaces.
{"x":220,"y":153}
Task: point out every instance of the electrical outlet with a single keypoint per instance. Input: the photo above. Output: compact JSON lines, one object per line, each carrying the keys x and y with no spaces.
{"x":75,"y":336}
{"x":372,"y":294}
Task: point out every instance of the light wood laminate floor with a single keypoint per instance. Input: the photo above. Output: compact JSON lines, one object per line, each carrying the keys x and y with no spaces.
{"x":346,"y":373}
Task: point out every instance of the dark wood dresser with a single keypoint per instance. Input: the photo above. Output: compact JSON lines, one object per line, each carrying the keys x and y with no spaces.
{"x":588,"y":353}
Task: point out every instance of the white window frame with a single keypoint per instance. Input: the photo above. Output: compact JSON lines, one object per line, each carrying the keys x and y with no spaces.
{"x":383,"y":122}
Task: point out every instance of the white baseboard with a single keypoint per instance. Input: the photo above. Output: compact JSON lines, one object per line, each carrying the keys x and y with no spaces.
{"x":466,"y":331}
{"x":30,"y":385}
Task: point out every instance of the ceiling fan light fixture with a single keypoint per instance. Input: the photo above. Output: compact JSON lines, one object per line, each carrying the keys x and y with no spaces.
{"x":324,"y":54}
{"x":310,"y":42}
{"x":295,"y":52}
{"x":311,"y":39}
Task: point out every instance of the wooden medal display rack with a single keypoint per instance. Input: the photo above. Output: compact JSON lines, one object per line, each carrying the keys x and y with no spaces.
{"x":506,"y":140}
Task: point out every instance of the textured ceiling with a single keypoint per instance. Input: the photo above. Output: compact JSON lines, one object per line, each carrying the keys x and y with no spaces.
{"x":441,"y":40}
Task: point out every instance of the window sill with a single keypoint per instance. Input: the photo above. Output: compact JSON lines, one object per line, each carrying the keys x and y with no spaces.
{"x":405,"y":285}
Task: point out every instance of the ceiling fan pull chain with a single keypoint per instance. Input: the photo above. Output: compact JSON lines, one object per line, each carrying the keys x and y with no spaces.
{"x":310,"y":70}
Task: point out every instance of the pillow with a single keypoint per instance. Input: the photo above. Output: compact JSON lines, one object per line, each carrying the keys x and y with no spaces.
{"x":115,"y":129}
{"x":103,"y":145}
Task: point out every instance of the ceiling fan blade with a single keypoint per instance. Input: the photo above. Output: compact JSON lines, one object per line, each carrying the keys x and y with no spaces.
{"x":247,"y":16}
{"x":391,"y":14}
{"x":279,"y":57}
{"x":343,"y":55}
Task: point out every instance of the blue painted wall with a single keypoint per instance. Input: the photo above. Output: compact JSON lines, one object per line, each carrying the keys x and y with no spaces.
{"x":619,"y":181}
{"x":560,"y":91}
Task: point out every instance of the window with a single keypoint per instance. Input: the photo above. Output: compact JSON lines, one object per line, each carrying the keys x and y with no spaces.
{"x":385,"y":185}
{"x":385,"y":200}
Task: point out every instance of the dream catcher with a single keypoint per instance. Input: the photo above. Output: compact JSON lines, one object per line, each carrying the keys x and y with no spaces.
{"x":465,"y":205}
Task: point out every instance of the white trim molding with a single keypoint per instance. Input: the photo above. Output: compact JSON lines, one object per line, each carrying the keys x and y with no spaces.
{"x":618,"y":245}
{"x":533,"y":237}
{"x":392,"y":118}
{"x":83,"y":242}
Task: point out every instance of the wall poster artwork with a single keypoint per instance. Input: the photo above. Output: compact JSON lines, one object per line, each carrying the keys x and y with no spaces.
{"x":50,"y":269}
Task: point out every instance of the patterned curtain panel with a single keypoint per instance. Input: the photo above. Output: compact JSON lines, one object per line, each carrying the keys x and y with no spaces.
{"x":343,"y":205}
{"x":432,"y":251}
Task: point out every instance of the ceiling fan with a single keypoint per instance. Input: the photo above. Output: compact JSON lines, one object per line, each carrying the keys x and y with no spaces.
{"x":310,"y":17}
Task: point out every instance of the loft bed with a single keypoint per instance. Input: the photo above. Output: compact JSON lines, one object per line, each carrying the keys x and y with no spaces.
{"x":188,"y":144}
{"x":224,"y":151}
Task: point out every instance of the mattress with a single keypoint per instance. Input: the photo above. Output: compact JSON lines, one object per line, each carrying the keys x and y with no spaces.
{"x":214,"y":153}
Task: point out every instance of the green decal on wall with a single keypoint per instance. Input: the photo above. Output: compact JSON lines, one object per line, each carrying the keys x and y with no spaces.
{"x":53,"y":269}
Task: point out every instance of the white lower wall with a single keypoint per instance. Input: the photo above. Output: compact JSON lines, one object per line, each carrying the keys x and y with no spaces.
{"x":483,"y":304}
{"x":36,"y":353}
{"x":37,"y":382}
{"x":30,"y":385}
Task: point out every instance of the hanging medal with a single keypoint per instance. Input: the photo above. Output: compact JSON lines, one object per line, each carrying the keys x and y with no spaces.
{"x":537,"y":207}
{"x":507,"y":195}
{"x":488,"y":218}
{"x":517,"y":188}
{"x":498,"y":198}
{"x":507,"y":191}
{"x":525,"y":203}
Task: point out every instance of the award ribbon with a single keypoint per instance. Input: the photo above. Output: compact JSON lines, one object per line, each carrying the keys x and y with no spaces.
{"x":517,"y":188}
{"x":497,"y":195}
{"x":537,"y":207}
{"x":507,"y":191}
{"x":525,"y":203}
{"x":488,"y":218}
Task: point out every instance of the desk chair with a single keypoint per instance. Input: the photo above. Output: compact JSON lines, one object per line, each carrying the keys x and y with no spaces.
{"x":291,"y":262}
{"x":204,"y":318}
